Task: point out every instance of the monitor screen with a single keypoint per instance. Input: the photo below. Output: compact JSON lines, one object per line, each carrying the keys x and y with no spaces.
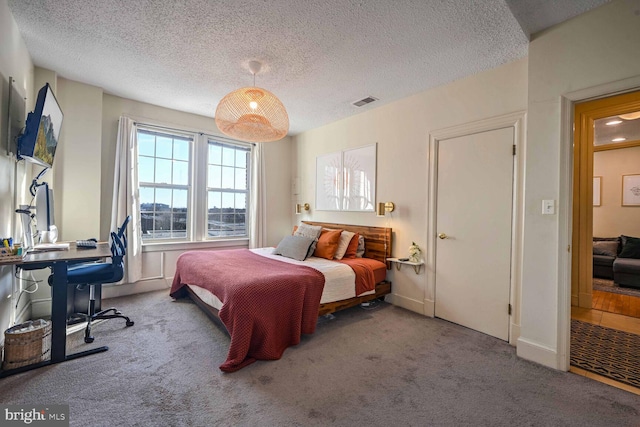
{"x":44,"y":208}
{"x":42,"y":131}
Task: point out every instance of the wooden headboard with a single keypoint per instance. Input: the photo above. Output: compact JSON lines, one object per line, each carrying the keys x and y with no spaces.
{"x":377,"y":240}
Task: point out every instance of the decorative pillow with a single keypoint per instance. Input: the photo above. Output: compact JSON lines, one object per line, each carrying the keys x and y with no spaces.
{"x":343,"y":243}
{"x":353,"y":247}
{"x":360,"y":250}
{"x":312,"y":231}
{"x":307,"y":230}
{"x":630,"y":247}
{"x":295,"y":247}
{"x":327,"y":244}
{"x":605,"y":247}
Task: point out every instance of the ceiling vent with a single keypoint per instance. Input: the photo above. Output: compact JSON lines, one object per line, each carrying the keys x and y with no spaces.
{"x":365,"y":101}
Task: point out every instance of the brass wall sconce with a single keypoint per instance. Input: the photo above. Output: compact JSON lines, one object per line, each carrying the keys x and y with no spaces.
{"x":384,"y":207}
{"x":300,"y":208}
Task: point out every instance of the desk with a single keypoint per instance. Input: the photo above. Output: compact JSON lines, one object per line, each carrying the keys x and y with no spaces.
{"x":59,"y":261}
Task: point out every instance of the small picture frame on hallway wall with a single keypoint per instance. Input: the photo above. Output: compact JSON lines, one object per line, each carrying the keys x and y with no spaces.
{"x":631,"y":190}
{"x":597,"y":190}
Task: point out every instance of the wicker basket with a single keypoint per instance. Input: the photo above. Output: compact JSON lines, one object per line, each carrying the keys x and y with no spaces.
{"x":27,"y":343}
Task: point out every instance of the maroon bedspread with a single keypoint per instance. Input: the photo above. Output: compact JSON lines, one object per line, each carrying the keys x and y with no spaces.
{"x":268,"y":304}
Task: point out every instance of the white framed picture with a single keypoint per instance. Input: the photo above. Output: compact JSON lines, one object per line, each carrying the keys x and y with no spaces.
{"x":631,"y":190}
{"x":597,"y":190}
{"x":346,"y":180}
{"x":329,"y":182}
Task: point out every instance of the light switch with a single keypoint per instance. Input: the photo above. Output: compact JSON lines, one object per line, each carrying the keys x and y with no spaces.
{"x":548,"y":207}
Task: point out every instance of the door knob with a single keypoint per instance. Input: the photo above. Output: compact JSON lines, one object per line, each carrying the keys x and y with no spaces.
{"x":442,"y":236}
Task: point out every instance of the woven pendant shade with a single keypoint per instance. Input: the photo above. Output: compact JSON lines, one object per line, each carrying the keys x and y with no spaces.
{"x":252,"y":114}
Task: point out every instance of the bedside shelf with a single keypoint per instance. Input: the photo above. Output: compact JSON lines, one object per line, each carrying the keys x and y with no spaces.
{"x":416,"y":265}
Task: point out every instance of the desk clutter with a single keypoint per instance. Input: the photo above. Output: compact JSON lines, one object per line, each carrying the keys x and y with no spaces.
{"x":10,"y":252}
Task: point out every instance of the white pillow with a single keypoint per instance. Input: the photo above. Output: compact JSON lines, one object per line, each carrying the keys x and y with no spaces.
{"x":343,"y":243}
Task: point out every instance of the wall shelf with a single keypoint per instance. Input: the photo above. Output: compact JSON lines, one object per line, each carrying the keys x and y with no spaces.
{"x":416,"y":265}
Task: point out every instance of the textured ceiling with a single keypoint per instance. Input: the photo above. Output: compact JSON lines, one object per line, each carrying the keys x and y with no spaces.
{"x":318,"y":56}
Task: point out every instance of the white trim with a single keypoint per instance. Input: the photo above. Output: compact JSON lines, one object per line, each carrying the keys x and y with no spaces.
{"x":429,"y":307}
{"x":113,"y":291}
{"x":565,"y":212}
{"x":408,"y":303}
{"x":190,"y":246}
{"x":517,"y":121}
{"x":604,"y":90}
{"x":538,"y":353}
{"x":19,"y":316}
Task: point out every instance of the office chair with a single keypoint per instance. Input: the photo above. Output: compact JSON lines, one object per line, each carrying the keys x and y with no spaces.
{"x":98,"y":273}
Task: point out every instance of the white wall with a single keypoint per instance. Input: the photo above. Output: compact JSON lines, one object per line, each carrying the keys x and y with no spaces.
{"x":611,"y":219}
{"x":401,"y":130}
{"x":14,"y":62}
{"x":77,"y":166}
{"x":594,"y":49}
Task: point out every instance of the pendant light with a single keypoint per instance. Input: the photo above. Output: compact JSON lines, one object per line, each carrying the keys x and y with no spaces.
{"x":252,"y":114}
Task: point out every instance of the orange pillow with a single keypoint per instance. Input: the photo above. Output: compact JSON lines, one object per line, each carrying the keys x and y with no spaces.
{"x":327,"y":244}
{"x":352,"y":248}
{"x":295,"y":227}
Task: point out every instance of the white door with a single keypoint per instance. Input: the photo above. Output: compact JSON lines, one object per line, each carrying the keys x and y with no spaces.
{"x":473,"y":227}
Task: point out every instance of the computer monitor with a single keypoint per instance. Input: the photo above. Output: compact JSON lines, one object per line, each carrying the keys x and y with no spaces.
{"x":45,"y":220}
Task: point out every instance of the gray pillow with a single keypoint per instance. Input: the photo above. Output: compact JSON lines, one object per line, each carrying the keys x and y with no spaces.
{"x":608,"y":248}
{"x":295,"y":247}
{"x":306,"y":230}
{"x":312,"y":231}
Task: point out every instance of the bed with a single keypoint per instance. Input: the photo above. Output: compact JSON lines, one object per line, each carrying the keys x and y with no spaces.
{"x":265,"y":302}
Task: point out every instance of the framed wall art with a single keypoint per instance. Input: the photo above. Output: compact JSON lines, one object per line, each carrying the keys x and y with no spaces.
{"x":631,"y":190}
{"x":597,"y":190}
{"x":346,"y":180}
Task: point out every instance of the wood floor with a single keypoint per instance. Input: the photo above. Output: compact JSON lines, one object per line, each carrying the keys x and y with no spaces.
{"x":626,"y":305}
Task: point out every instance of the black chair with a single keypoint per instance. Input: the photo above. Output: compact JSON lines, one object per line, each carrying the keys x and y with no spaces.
{"x":98,"y":273}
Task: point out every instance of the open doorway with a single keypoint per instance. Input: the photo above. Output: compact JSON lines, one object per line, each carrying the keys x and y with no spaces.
{"x":606,"y":227}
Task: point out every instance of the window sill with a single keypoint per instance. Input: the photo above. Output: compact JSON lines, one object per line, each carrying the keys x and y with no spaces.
{"x":182,"y":246}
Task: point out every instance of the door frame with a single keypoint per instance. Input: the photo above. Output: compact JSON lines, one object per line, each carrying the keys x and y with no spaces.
{"x":565,"y":202}
{"x":517,"y":121}
{"x":585,"y":113}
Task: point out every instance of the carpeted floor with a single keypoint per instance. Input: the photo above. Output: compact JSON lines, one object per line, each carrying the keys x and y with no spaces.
{"x":607,"y":285}
{"x":386,"y":366}
{"x":605,"y":351}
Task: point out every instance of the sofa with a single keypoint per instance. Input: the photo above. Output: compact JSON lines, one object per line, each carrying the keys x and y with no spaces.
{"x":617,"y":259}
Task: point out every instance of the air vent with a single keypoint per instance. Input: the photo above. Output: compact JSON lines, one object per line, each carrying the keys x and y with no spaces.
{"x":365,"y":101}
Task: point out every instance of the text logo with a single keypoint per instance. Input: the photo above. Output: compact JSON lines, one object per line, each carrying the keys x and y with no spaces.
{"x":34,"y":415}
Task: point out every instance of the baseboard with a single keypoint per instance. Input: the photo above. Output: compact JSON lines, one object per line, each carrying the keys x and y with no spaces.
{"x":585,"y":300}
{"x":514,"y":334}
{"x":24,"y":314}
{"x":113,"y":291}
{"x":408,"y":303}
{"x":40,"y":308}
{"x":537,"y":353}
{"x":575,"y":300}
{"x":429,"y":308}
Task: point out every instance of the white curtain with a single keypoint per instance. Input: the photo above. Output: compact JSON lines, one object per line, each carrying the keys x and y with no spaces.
{"x":258,"y":205}
{"x":126,"y":197}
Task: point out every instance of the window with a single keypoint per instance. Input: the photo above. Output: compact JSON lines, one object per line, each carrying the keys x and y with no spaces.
{"x":193,"y":187}
{"x":227,"y":189}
